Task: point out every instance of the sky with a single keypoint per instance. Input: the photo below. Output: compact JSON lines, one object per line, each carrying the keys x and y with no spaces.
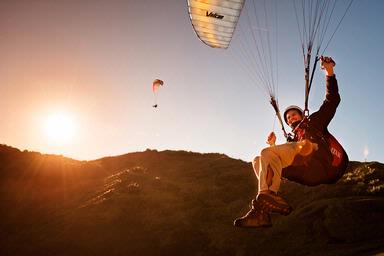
{"x":93,"y":62}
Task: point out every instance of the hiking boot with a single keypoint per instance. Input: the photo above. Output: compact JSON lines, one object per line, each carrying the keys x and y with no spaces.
{"x":273,"y":203}
{"x":255,"y":218}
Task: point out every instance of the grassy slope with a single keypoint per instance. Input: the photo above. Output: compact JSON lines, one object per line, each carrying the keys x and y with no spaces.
{"x":176,"y":202}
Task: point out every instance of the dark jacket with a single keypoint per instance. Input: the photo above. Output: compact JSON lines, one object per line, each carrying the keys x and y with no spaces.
{"x":328,"y":163}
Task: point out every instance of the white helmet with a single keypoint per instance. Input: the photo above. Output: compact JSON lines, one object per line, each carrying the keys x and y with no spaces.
{"x":292,"y":107}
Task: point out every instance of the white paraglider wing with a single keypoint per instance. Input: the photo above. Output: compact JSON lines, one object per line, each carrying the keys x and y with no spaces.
{"x":214,"y":21}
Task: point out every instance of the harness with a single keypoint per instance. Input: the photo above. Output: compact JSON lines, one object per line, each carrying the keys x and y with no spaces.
{"x":339,"y":159}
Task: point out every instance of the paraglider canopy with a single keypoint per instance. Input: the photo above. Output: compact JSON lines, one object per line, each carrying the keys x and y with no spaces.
{"x":215,"y":21}
{"x":156,"y":84}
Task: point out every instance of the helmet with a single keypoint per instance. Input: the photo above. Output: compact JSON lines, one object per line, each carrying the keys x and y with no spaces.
{"x":292,"y":107}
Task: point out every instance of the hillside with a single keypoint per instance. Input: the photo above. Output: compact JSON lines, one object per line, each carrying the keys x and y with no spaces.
{"x":177,"y":203}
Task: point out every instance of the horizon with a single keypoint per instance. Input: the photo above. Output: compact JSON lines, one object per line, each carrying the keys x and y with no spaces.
{"x":152,"y":149}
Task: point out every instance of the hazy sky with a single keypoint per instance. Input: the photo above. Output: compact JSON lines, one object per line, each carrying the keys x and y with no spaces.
{"x":95,"y":61}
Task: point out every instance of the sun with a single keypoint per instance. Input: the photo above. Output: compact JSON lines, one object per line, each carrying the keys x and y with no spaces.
{"x":60,"y":127}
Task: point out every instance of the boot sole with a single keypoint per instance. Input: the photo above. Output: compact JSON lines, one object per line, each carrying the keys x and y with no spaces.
{"x":252,"y":226}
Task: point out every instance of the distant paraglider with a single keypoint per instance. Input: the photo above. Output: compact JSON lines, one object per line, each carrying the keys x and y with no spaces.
{"x":155,"y":87}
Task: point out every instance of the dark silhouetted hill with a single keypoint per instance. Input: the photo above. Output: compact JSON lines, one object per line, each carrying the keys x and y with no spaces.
{"x":177,"y":203}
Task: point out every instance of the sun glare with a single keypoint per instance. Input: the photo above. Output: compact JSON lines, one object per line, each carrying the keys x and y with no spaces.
{"x":60,"y":127}
{"x":366,"y":153}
